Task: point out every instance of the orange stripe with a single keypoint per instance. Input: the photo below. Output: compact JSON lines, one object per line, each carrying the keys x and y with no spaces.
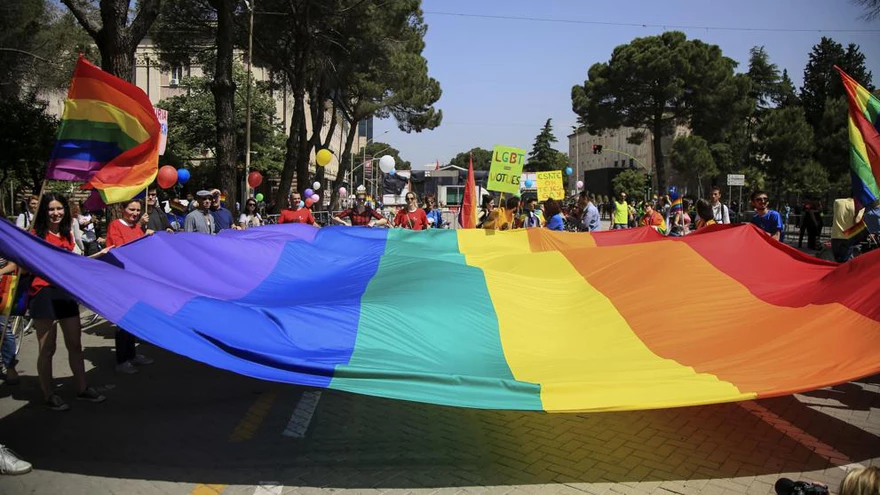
{"x":85,"y":88}
{"x":685,"y":309}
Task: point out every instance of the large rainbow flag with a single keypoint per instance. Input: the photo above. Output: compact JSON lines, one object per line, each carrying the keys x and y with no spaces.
{"x":864,"y":138}
{"x":525,"y":319}
{"x":109,"y":135}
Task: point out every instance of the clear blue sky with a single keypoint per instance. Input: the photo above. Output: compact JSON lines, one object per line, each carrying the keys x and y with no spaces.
{"x":503,"y":78}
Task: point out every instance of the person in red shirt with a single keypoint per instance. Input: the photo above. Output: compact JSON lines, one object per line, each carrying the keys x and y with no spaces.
{"x":49,"y":304}
{"x":411,"y":216}
{"x":297,"y":213}
{"x":128,"y":227}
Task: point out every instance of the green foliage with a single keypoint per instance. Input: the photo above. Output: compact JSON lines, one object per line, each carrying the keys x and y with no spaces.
{"x":482,"y":159}
{"x":41,"y":42}
{"x":631,"y":181}
{"x":27,"y":134}
{"x":543,"y":156}
{"x":657,"y":81}
{"x":192,"y":130}
{"x":786,"y":94}
{"x":822,"y":82}
{"x":786,"y":142}
{"x":378,"y":149}
{"x":832,"y":138}
{"x":691,"y":156}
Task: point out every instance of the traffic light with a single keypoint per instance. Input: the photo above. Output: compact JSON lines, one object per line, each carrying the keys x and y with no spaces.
{"x":597,"y":149}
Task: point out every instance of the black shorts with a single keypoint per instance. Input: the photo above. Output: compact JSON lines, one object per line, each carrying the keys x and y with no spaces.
{"x":53,"y":303}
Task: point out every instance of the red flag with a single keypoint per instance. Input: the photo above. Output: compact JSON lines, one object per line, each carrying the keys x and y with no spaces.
{"x":467,"y":215}
{"x":438,"y":165}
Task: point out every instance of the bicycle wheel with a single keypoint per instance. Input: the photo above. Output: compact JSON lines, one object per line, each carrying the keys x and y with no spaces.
{"x":19,"y":324}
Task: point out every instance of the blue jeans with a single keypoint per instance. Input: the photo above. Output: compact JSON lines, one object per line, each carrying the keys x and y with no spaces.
{"x":618,"y":226}
{"x":7,"y":352}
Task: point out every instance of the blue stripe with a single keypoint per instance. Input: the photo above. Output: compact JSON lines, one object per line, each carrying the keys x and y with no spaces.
{"x":92,"y":151}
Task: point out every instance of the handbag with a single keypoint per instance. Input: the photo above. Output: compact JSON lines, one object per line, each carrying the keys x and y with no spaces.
{"x":14,"y":293}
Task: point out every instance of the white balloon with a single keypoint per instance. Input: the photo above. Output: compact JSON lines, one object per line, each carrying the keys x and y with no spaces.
{"x":316,"y":186}
{"x":386,"y":164}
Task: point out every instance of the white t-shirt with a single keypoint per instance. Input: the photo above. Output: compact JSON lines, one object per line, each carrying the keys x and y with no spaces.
{"x":24,"y":220}
{"x":250,"y":220}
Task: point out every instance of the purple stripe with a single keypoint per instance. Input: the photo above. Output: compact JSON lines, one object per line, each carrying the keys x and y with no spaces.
{"x":227,"y":266}
{"x":72,"y":169}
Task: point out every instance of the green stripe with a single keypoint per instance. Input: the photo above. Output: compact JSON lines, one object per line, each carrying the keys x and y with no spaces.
{"x":428,"y":324}
{"x":105,"y":132}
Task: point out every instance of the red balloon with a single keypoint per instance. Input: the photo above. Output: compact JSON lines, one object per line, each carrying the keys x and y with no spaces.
{"x":308,"y":202}
{"x":255,"y":179}
{"x":167,"y":176}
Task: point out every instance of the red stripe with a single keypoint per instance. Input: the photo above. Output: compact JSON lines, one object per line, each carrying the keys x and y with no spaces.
{"x":784,"y":276}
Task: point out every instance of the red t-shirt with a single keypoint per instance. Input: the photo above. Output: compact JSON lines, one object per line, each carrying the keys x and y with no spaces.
{"x":55,"y":240}
{"x":119,"y":233}
{"x":413,"y":220}
{"x":302,"y":215}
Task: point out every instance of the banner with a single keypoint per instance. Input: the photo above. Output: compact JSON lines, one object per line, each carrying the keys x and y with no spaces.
{"x":507,"y":165}
{"x":550,"y":185}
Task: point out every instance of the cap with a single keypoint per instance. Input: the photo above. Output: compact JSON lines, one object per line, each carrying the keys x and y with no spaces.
{"x":361,"y":189}
{"x":203,"y":194}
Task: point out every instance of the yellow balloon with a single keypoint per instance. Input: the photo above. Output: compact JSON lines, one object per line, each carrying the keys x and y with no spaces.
{"x":323,"y":157}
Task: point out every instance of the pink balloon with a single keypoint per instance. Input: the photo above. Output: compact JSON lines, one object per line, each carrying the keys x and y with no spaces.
{"x":342,"y":191}
{"x":580,"y":184}
{"x":315,"y":198}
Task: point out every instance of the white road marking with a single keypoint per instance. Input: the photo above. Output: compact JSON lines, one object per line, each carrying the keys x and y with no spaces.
{"x":302,"y":415}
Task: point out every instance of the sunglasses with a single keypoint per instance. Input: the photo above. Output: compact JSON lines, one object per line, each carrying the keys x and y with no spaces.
{"x":252,"y":204}
{"x":410,"y":198}
{"x":762,"y":200}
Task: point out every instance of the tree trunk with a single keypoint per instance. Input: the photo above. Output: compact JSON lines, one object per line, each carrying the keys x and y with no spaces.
{"x":223,"y":88}
{"x":344,"y":166}
{"x":657,"y":129}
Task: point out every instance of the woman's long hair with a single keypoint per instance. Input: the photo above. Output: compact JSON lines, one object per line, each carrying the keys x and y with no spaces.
{"x":41,"y":221}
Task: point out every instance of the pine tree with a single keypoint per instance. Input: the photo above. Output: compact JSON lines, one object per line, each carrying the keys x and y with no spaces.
{"x":543,"y":157}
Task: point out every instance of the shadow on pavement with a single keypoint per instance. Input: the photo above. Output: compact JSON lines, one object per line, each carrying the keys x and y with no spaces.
{"x":173,"y":422}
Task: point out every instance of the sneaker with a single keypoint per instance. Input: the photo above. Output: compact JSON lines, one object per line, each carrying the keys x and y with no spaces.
{"x":126,"y":368}
{"x":140,"y":359}
{"x":11,"y":464}
{"x":56,"y":403}
{"x":91,"y":395}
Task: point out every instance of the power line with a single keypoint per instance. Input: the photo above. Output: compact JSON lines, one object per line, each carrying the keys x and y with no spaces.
{"x":646,"y":25}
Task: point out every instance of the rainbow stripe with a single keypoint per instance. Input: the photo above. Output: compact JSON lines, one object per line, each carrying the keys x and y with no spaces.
{"x":109,"y":136}
{"x":525,"y":319}
{"x":864,"y":138}
{"x":676,"y":203}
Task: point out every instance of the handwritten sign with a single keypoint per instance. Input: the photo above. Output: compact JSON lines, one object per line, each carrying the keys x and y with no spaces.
{"x":550,"y":185}
{"x":506,"y":168}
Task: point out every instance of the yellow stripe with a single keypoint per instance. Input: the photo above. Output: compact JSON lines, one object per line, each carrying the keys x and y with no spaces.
{"x":575,"y":344}
{"x":101,"y":111}
{"x":857,"y":141}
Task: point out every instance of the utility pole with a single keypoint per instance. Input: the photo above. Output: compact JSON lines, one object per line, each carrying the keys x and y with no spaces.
{"x":252,"y":5}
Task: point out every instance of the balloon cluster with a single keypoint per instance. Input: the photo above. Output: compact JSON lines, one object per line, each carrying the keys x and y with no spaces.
{"x":168,"y":176}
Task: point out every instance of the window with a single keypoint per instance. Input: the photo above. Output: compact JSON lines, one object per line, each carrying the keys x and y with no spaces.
{"x":176,"y":75}
{"x":632,"y":163}
{"x":615,"y":163}
{"x":454,"y":195}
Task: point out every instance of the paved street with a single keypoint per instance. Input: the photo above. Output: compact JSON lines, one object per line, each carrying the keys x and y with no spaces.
{"x":180,"y":427}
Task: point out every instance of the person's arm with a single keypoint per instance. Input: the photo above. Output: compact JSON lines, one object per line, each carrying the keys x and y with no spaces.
{"x":778,"y":218}
{"x":21,"y":221}
{"x":380,"y":220}
{"x":189,"y":223}
{"x":339,"y":219}
{"x":725,"y":214}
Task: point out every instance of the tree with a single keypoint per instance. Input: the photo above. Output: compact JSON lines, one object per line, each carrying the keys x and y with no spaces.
{"x":118,"y":32}
{"x":366,"y":58}
{"x":872,"y":9}
{"x":27,"y":135}
{"x":40,"y":41}
{"x":543,"y":156}
{"x":656,"y":82}
{"x":204,"y":32}
{"x":630,"y":181}
{"x":821,"y":80}
{"x":786,"y":94}
{"x":482,"y":159}
{"x":832,"y":138}
{"x":692,"y":157}
{"x":192,"y":133}
{"x":765,"y":78}
{"x":786,"y":141}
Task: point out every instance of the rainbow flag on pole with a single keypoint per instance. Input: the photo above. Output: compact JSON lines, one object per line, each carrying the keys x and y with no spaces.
{"x":109,"y":135}
{"x":864,"y":139}
{"x":467,"y":215}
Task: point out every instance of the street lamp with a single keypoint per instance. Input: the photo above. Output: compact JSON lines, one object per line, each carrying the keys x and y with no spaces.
{"x":353,"y":168}
{"x":251,"y":5}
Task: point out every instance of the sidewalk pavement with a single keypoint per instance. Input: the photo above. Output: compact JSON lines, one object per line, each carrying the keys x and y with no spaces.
{"x":181,"y":427}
